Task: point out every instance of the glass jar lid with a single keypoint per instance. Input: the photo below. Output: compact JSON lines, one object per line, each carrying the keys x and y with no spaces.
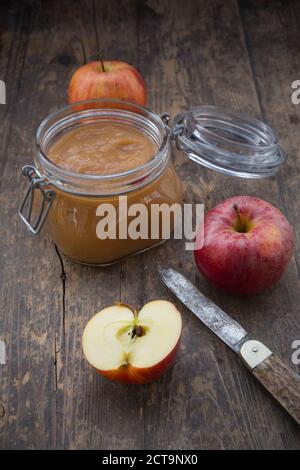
{"x":229,"y":142}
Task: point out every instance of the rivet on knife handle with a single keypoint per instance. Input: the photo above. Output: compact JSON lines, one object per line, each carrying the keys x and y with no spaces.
{"x":281,"y":381}
{"x":254,"y":352}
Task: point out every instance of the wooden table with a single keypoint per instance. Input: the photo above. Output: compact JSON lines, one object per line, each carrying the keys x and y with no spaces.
{"x":243,"y":55}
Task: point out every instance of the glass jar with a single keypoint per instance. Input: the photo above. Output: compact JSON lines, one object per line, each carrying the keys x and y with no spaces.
{"x":214,"y":137}
{"x":69,"y":201}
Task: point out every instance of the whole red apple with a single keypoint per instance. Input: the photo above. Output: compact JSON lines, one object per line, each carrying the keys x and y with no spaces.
{"x":107,"y":79}
{"x":247,"y":245}
{"x":133,"y":347}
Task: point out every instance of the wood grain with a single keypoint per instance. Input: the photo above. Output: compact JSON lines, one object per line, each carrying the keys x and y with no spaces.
{"x":282,"y":382}
{"x":238,"y":54}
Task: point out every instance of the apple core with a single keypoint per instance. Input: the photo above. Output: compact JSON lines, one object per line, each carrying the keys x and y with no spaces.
{"x":133,"y":347}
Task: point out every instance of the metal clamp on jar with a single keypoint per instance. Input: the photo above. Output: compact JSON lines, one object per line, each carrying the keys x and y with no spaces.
{"x":36,"y":182}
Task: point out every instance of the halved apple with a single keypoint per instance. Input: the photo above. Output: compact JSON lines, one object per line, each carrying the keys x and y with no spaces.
{"x":130,"y":346}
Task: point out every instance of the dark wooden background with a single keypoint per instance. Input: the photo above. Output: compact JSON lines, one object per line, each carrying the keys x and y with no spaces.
{"x":244,"y":55}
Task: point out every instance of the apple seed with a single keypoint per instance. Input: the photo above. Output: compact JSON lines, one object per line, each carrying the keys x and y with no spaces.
{"x":139,"y":330}
{"x":133,"y":333}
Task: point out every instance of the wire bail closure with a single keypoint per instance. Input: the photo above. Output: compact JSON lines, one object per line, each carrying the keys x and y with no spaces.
{"x":36,"y":182}
{"x":183,"y":123}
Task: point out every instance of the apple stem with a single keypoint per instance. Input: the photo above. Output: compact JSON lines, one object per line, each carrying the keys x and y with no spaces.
{"x":241,"y":226}
{"x":236,"y":209}
{"x":100,"y":58}
{"x":122,"y":304}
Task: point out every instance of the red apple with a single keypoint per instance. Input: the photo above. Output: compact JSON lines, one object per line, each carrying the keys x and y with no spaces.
{"x":247,"y":245}
{"x":107,"y":79}
{"x":133,"y":347}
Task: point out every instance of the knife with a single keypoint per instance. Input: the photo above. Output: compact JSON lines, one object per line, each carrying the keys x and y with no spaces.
{"x":277,"y":378}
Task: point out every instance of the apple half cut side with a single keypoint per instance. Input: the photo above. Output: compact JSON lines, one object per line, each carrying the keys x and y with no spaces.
{"x":133,"y":347}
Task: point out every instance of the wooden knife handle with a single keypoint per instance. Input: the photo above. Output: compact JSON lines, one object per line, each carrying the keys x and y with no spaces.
{"x":281,"y":381}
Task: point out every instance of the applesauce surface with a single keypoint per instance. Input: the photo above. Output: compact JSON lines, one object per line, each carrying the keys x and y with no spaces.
{"x":102,"y":149}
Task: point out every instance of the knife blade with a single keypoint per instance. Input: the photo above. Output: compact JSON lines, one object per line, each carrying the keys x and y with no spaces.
{"x":278,"y":379}
{"x":227,"y":329}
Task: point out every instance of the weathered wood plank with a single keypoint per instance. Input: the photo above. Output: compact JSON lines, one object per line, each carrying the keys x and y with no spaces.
{"x":30,"y":287}
{"x":194,"y":52}
{"x":272,"y":38}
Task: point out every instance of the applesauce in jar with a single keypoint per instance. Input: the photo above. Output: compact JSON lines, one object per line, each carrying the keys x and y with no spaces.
{"x":89,"y":156}
{"x":102,"y":149}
